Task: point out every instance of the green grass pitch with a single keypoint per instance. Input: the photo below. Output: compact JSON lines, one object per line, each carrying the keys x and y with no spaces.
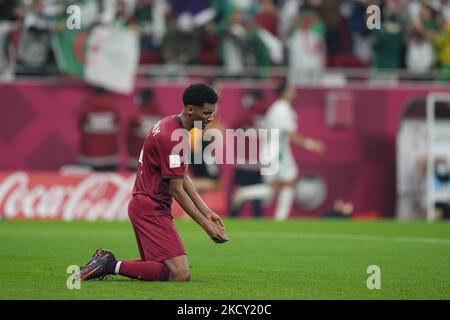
{"x":298,"y":259}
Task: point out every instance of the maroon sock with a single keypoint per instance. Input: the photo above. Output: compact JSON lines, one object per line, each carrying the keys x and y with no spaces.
{"x":145,"y":270}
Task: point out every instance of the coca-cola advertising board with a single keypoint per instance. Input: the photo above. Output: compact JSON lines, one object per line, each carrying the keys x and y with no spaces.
{"x":76,"y":196}
{"x":53,"y":195}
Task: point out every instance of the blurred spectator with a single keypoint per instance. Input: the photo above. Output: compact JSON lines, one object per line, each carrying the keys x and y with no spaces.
{"x":34,"y":47}
{"x":442,"y":42}
{"x":265,"y":25}
{"x":413,"y":10}
{"x":117,"y":12}
{"x":306,"y":46}
{"x":124,"y":13}
{"x":247,"y":169}
{"x":388,"y":43}
{"x":445,"y":9}
{"x":232,"y":46}
{"x":9,"y":10}
{"x":420,"y":54}
{"x":441,"y":184}
{"x":182,"y":41}
{"x":90,"y":12}
{"x":98,"y":124}
{"x":9,"y":22}
{"x":256,"y":53}
{"x":244,"y":36}
{"x":150,"y":16}
{"x":139,"y":124}
{"x":266,"y":16}
{"x":287,"y":13}
{"x":210,"y":51}
{"x":192,"y":21}
{"x":223,"y":10}
{"x":192,"y":7}
{"x":248,"y":42}
{"x":247,"y":6}
{"x":337,"y":35}
{"x":361,"y":37}
{"x":440,"y":6}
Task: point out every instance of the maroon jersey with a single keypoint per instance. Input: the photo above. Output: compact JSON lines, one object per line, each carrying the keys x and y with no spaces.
{"x":139,"y":125}
{"x":161,"y":160}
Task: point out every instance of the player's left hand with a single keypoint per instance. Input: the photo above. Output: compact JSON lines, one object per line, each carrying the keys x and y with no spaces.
{"x":216,"y":219}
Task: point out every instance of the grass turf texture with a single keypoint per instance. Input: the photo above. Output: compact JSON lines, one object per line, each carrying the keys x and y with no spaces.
{"x":299,"y":259}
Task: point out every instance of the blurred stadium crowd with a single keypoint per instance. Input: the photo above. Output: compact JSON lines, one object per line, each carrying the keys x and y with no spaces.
{"x":304,"y":35}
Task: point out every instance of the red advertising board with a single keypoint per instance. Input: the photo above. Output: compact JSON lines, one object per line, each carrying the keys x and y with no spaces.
{"x":90,"y":196}
{"x":51,"y":195}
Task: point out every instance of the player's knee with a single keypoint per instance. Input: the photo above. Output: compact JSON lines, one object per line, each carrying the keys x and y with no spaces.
{"x":181,"y":274}
{"x":186,"y":276}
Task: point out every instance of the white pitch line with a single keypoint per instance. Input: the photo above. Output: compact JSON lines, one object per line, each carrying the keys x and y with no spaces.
{"x":337,"y":236}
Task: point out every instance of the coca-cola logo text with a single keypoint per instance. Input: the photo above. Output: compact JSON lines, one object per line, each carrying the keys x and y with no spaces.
{"x":98,"y":196}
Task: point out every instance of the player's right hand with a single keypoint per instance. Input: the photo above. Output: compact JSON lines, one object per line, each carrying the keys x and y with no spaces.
{"x":216,"y":232}
{"x":315,"y":145}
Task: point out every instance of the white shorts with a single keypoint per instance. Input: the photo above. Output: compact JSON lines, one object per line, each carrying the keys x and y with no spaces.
{"x":287,"y":171}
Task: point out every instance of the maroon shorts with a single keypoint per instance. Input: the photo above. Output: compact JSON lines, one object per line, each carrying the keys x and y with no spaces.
{"x":156,"y":236}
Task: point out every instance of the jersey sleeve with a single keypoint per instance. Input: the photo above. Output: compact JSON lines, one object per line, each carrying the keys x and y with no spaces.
{"x":172,"y":156}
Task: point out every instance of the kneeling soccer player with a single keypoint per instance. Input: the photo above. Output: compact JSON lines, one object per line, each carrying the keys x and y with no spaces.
{"x":161,"y":174}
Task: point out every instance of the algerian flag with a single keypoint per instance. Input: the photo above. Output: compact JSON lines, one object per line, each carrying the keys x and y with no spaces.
{"x":112,"y":58}
{"x":70,"y":47}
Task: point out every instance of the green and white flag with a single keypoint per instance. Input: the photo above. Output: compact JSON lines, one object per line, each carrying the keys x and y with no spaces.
{"x":112,"y":58}
{"x":70,"y":48}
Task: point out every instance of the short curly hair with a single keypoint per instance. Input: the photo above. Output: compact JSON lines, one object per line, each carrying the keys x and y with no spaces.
{"x":198,"y":94}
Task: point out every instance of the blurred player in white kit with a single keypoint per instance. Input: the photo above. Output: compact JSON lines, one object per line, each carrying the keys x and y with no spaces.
{"x":280,"y":116}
